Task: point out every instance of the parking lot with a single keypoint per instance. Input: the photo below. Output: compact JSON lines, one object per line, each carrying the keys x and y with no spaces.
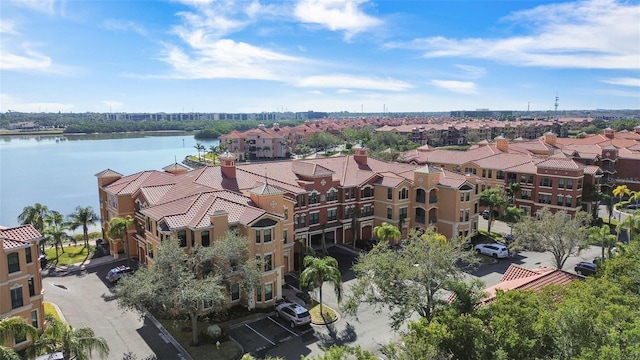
{"x":258,"y":336}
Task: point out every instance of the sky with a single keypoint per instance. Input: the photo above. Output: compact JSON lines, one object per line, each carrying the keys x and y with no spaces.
{"x":253,"y":56}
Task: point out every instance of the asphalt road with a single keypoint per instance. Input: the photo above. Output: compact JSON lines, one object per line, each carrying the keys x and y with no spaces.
{"x":85,"y":299}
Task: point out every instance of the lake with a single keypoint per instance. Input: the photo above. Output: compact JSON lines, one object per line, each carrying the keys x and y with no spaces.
{"x":59,"y":170}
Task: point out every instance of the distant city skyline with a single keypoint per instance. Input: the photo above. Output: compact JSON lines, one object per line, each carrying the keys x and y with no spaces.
{"x":359,"y":56}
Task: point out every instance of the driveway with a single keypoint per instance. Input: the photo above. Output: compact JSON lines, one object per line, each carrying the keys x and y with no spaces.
{"x":85,"y":299}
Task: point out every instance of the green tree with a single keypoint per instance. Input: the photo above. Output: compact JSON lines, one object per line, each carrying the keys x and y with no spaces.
{"x":492,"y":199}
{"x":191,"y":284}
{"x":634,"y":197}
{"x":83,"y":216}
{"x":35,"y":215}
{"x":620,"y":191}
{"x":336,"y":352}
{"x":11,"y":328}
{"x":317,"y":271}
{"x":322,"y":140}
{"x":119,"y":231}
{"x":512,"y":191}
{"x":608,"y":202}
{"x":512,"y":215}
{"x":632,"y":224}
{"x":408,"y":280}
{"x":466,"y":295}
{"x":386,"y":232}
{"x":55,"y":231}
{"x":78,"y":344}
{"x":602,"y":236}
{"x":560,"y":234}
{"x":199,"y":147}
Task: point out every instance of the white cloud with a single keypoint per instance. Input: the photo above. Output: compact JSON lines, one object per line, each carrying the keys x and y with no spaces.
{"x":8,"y":27}
{"x":44,"y":6}
{"x":123,"y":25}
{"x":462,"y":87}
{"x":336,"y":15}
{"x":8,"y":102}
{"x":594,"y":34}
{"x":28,"y":60}
{"x":635,"y":82}
{"x":470,"y":71}
{"x":353,"y":82}
{"x":229,"y":59}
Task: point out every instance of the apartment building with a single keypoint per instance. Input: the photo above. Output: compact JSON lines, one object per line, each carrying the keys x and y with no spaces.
{"x":20,"y":280}
{"x":337,"y":199}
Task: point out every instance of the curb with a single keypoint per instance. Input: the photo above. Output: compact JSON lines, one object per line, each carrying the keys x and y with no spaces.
{"x":184,"y":354}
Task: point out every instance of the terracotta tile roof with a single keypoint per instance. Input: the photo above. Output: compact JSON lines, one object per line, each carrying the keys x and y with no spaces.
{"x":312,"y":169}
{"x":175,"y":166}
{"x":266,"y":189}
{"x":592,"y":170}
{"x":502,"y":161}
{"x":517,"y":277}
{"x":452,"y":179}
{"x":131,"y":183}
{"x":563,"y":164}
{"x":108,"y":173}
{"x":19,"y":236}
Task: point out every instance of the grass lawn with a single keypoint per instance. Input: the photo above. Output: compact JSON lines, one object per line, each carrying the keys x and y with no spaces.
{"x":71,"y":255}
{"x":207,"y":349}
{"x":50,"y":310}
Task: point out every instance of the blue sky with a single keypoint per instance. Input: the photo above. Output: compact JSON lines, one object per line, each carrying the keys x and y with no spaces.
{"x":321,"y":55}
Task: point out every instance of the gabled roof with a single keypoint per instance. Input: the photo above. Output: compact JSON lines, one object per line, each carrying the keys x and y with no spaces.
{"x":108,"y":173}
{"x":559,"y":163}
{"x":517,"y":277}
{"x":19,"y":236}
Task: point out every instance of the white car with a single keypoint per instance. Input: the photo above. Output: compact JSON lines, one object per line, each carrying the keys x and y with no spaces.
{"x":296,"y":315}
{"x":494,"y":250}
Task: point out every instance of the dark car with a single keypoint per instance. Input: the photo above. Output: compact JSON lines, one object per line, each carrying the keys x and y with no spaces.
{"x":585,"y":268}
{"x":485,"y":214}
{"x":118,"y":272}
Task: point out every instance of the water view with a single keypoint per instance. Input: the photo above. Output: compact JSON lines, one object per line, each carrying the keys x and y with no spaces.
{"x":59,"y":171}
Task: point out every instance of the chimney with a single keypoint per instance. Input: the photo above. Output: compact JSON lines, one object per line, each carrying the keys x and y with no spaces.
{"x":276,"y":126}
{"x":360,"y":154}
{"x":637,"y":129}
{"x":228,"y":165}
{"x":609,"y":132}
{"x":261,"y":126}
{"x":502,"y":143}
{"x":550,"y":138}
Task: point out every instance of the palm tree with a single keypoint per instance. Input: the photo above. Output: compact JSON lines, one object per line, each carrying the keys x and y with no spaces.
{"x":608,"y":202}
{"x":76,"y":344}
{"x":214,"y":151}
{"x":620,"y":191}
{"x":632,"y":224}
{"x":493,"y":199}
{"x":635,"y":197}
{"x":118,"y":230}
{"x":200,"y":147}
{"x":83,"y":216}
{"x":386,"y":232}
{"x":35,"y":216}
{"x":512,"y":190}
{"x":10,"y":329}
{"x":512,"y":215}
{"x":603,"y":237}
{"x":320,"y":270}
{"x":55,"y":231}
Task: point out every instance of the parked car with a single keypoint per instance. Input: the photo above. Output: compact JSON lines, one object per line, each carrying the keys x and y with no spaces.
{"x":485,"y":214}
{"x":294,"y":314}
{"x":494,"y":250}
{"x":585,"y":268}
{"x":118,"y":272}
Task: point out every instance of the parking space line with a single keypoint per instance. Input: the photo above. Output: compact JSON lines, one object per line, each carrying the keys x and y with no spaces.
{"x":255,"y":331}
{"x":282,"y":326}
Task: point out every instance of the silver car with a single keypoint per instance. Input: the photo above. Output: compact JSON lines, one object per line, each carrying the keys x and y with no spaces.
{"x":494,"y":250}
{"x":294,"y":314}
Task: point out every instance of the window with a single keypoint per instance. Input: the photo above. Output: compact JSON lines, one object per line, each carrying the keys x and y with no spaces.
{"x":490,"y":174}
{"x":403,"y":194}
{"x":16,"y":297}
{"x":286,"y":213}
{"x":303,"y":220}
{"x":578,"y":201}
{"x":579,"y":184}
{"x":332,"y":214}
{"x":182,"y":238}
{"x":560,"y":200}
{"x":314,"y":218}
{"x":546,"y":182}
{"x":570,"y":184}
{"x":32,"y":287}
{"x":484,"y":172}
{"x":284,"y":235}
{"x":257,"y":236}
{"x":150,"y":250}
{"x":461,"y":216}
{"x":259,"y":293}
{"x":235,"y":292}
{"x":523,"y":179}
{"x":367,"y":210}
{"x":268,"y":292}
{"x":525,"y":194}
{"x":267,"y":235}
{"x":403,"y":212}
{"x":421,"y":196}
{"x":389,"y":213}
{"x":34,"y":318}
{"x":366,"y":192}
{"x":500,"y":175}
{"x":27,"y":254}
{"x":544,"y":198}
{"x":332,"y":195}
{"x":420,"y":215}
{"x":314,"y":198}
{"x":268,"y":262}
{"x":14,"y":262}
{"x":560,"y":183}
{"x":295,"y":221}
{"x":204,"y":238}
{"x":567,"y":201}
{"x":466,"y":215}
{"x":389,"y":193}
